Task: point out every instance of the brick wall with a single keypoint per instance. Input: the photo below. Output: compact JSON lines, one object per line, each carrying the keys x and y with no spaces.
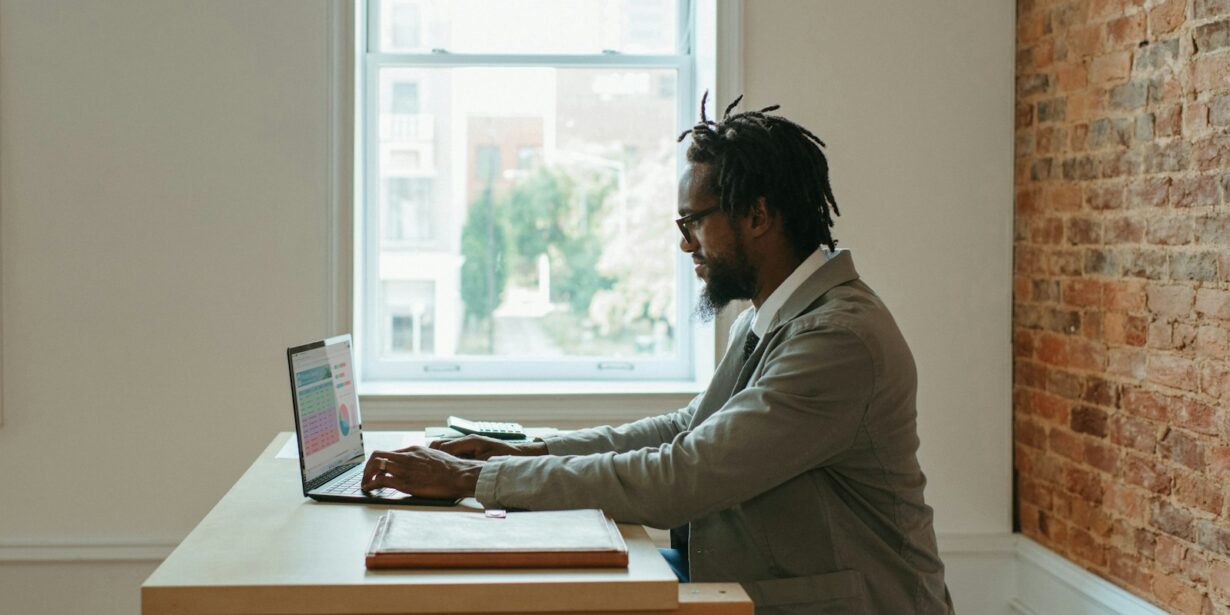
{"x":1121,"y":322}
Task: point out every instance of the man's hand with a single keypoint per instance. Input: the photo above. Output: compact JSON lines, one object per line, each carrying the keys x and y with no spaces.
{"x":422,"y":472}
{"x":482,"y":447}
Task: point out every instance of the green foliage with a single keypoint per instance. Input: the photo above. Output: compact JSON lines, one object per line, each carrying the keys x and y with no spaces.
{"x":547,"y":212}
{"x":483,"y":274}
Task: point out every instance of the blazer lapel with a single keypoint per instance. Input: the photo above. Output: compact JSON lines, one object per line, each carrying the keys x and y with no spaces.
{"x":837,"y":271}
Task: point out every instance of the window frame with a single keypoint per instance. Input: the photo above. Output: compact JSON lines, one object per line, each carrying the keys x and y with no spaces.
{"x":688,"y":371}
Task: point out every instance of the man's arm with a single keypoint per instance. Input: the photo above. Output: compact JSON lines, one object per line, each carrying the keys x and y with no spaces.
{"x":804,"y":410}
{"x":451,"y":468}
{"x":647,"y":432}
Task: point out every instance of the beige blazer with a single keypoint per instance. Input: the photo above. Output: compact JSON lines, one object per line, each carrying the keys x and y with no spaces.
{"x":796,"y":470}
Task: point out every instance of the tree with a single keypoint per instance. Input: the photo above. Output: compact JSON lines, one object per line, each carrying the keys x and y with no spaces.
{"x":483,"y":272}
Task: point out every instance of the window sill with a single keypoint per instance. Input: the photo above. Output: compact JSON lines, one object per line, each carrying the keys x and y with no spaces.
{"x":560,"y":404}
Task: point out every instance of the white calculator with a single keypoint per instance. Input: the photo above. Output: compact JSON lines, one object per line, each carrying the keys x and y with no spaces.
{"x":491,"y":429}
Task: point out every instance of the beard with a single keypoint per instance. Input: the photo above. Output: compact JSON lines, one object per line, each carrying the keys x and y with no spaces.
{"x":730,"y":278}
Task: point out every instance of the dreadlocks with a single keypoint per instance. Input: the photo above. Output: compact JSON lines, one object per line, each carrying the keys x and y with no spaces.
{"x":753,"y":154}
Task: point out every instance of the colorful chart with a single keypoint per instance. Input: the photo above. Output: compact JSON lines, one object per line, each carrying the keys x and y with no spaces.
{"x":343,"y":418}
{"x":317,"y":417}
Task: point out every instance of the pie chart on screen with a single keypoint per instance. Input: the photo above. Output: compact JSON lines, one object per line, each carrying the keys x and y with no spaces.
{"x":343,"y":418}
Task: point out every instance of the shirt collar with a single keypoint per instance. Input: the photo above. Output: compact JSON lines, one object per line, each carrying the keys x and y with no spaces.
{"x":770,"y":307}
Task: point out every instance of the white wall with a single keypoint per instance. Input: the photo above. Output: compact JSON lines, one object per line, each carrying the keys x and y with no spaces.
{"x":164,"y":217}
{"x":163,"y":188}
{"x":915,"y":102}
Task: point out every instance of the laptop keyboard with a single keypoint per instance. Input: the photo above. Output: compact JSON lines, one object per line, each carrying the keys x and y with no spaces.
{"x":349,"y":485}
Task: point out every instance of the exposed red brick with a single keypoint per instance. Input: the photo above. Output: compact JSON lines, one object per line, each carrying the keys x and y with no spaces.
{"x":1065,"y":443}
{"x":1050,"y":407}
{"x":1126,"y":362}
{"x":1034,"y":493}
{"x":1211,"y":73}
{"x":1086,"y":354}
{"x":1053,"y":349}
{"x":1124,"y":229}
{"x":1083,"y":483}
{"x":1124,"y":295}
{"x":1030,"y":28}
{"x":1129,"y":502}
{"x":1080,"y":231}
{"x":1215,"y":380}
{"x":1198,"y":492}
{"x":1219,"y":579}
{"x":1063,"y":198}
{"x":1147,"y":473}
{"x":1170,"y":299}
{"x":1080,"y":292}
{"x":1148,"y":192}
{"x":1089,"y":420}
{"x":1178,"y":595}
{"x":1168,"y":553}
{"x":1102,"y":456}
{"x":1193,"y":415}
{"x":1029,"y":434}
{"x":1101,"y":10}
{"x":1166,"y":17}
{"x":1126,"y":31}
{"x":1134,"y":433}
{"x":1173,"y":371}
{"x":1105,"y":197}
{"x":1182,"y":448}
{"x":1046,"y":231}
{"x":1171,"y":230}
{"x":1194,"y":192}
{"x":1212,"y":340}
{"x":1213,"y":303}
{"x":1087,"y":41}
{"x":1111,"y":67}
{"x":1118,"y":329}
{"x":1212,"y":153}
{"x":1121,"y":292}
{"x":1173,"y":520}
{"x":1129,"y":569}
{"x":1070,"y":78}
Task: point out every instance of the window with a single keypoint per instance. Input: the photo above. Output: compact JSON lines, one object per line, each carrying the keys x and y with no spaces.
{"x":520,"y":169}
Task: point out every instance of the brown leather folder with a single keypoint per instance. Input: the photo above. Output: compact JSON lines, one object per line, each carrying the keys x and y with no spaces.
{"x":542,"y":539}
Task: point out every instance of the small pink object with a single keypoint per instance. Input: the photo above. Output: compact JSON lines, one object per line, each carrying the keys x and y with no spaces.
{"x":496,"y":513}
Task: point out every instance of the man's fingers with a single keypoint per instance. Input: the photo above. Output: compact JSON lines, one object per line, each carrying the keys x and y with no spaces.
{"x":466,"y":447}
{"x":378,"y":465}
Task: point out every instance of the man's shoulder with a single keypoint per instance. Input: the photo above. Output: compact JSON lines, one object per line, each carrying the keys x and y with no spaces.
{"x":851,"y":308}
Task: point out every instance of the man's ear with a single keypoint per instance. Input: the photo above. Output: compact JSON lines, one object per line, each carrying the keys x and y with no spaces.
{"x":760,"y":219}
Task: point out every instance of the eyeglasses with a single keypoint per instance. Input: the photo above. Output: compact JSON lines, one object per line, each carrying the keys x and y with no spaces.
{"x":688,"y":222}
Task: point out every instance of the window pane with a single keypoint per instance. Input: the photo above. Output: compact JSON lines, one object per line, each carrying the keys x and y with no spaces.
{"x":528,"y":26}
{"x":527,"y":212}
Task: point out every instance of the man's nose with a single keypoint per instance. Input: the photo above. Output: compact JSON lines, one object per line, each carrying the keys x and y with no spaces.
{"x":687,"y":246}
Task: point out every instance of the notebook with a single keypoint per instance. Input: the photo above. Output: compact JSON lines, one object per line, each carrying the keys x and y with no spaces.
{"x":329,"y":429}
{"x":541,"y":539}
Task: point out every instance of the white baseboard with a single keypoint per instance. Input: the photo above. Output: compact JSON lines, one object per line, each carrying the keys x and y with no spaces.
{"x":988,"y":574}
{"x":12,"y":552}
{"x":1048,"y":583}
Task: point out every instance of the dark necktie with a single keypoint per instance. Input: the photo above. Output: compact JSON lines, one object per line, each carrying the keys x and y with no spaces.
{"x":749,"y":344}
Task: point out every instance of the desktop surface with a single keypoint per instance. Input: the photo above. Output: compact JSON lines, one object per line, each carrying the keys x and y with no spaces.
{"x":267,"y":549}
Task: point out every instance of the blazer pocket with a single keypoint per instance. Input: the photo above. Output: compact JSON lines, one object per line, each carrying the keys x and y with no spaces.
{"x":839,"y":592}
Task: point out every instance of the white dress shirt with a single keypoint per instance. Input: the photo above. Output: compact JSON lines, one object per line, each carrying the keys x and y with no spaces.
{"x":768,"y":309}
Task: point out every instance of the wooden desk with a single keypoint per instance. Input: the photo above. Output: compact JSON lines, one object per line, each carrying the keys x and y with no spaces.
{"x":267,"y":550}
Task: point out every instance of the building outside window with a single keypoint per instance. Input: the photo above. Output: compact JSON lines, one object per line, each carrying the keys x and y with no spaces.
{"x":521,"y":172}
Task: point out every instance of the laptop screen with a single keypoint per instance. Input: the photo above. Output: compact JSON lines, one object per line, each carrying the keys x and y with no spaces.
{"x":327,"y":406}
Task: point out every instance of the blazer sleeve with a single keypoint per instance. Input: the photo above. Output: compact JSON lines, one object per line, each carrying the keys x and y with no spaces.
{"x":804,"y":410}
{"x":647,"y":432}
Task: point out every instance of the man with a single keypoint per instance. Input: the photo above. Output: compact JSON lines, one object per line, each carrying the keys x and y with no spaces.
{"x":795,"y":472}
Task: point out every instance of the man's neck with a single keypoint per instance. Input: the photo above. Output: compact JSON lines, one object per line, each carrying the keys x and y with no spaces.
{"x":771,"y":275}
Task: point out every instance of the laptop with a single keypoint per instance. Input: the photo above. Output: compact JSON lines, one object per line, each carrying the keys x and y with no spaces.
{"x":329,"y":428}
